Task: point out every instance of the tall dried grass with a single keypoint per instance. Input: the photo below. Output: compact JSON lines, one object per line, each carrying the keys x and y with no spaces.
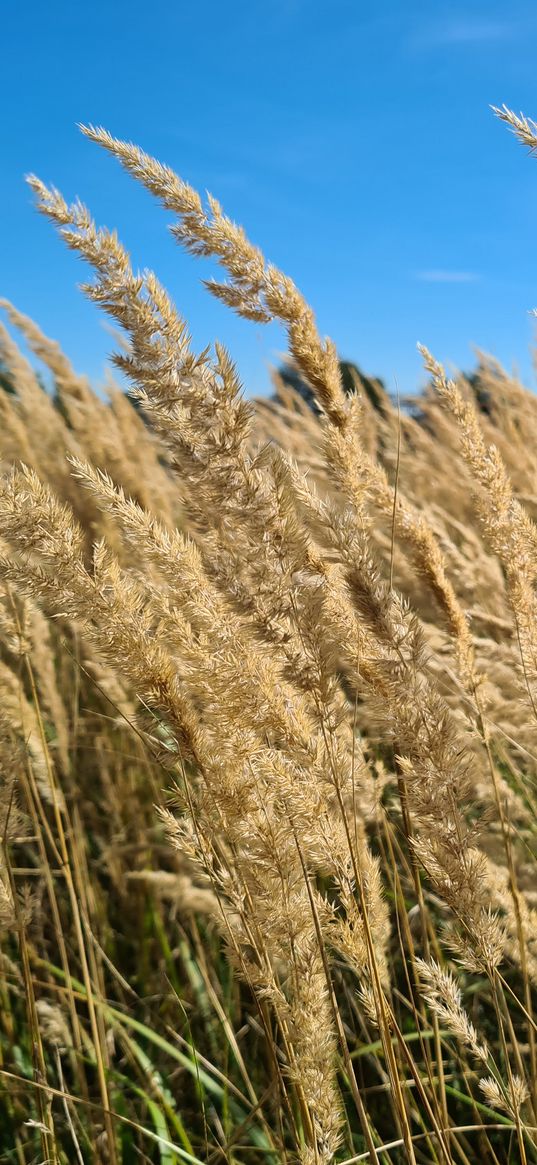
{"x":268,"y":733}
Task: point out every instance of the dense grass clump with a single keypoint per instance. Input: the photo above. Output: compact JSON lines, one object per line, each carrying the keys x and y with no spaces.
{"x":268,"y":738}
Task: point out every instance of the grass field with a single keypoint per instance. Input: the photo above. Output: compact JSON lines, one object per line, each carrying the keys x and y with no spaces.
{"x":268,"y":739}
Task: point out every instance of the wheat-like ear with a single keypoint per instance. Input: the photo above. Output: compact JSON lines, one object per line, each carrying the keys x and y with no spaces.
{"x":509,"y":530}
{"x":523,"y":127}
{"x":257,"y":290}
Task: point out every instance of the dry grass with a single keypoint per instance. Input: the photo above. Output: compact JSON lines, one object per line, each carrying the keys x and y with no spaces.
{"x":268,"y":741}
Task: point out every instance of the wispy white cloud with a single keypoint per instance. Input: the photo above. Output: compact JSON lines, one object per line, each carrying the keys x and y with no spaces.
{"x":441,"y":276}
{"x":463,"y":31}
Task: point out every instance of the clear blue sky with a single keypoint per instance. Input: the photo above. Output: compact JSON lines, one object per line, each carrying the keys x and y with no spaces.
{"x":353,"y":141}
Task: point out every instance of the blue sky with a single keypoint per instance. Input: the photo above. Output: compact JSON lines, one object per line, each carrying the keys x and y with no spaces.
{"x":353,"y":141}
